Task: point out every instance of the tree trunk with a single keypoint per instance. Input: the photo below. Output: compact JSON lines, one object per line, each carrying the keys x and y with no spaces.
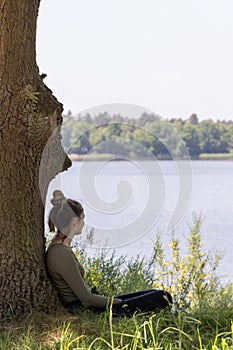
{"x":29,"y":115}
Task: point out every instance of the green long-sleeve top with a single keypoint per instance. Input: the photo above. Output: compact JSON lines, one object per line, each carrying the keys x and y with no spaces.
{"x":67,"y":275}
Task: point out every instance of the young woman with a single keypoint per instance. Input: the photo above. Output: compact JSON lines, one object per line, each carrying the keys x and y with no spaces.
{"x":67,"y":274}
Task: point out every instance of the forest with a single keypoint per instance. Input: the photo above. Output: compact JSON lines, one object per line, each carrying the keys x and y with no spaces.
{"x":146,"y":136}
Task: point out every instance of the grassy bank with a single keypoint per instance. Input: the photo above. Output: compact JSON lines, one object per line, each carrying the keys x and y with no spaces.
{"x":216,"y":156}
{"x":204,"y":330}
{"x":107,"y":156}
{"x":201,"y":317}
{"x":92,"y":156}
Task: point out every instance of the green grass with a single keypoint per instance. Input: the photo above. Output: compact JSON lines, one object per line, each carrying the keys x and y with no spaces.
{"x":201,"y":318}
{"x":212,"y":330}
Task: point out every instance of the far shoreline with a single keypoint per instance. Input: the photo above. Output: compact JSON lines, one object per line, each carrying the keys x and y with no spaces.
{"x":112,"y":157}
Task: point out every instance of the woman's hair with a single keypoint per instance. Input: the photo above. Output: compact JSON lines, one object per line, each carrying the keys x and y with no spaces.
{"x":64,"y":209}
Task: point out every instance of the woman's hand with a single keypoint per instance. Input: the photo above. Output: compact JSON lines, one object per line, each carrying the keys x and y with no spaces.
{"x":117,"y":300}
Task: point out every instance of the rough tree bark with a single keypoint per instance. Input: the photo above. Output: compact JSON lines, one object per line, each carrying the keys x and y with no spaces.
{"x":29,"y":115}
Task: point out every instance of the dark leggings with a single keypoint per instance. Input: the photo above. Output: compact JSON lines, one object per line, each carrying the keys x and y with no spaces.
{"x":142,"y":301}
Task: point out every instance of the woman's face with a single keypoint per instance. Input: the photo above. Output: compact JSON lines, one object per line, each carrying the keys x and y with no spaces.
{"x":79,"y":224}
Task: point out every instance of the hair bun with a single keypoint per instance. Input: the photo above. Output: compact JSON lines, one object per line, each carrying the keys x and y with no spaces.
{"x":58,"y":198}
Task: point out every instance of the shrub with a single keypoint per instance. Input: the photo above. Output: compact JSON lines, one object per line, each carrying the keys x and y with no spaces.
{"x":190,"y":278}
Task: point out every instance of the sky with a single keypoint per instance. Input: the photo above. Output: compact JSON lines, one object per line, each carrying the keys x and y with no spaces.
{"x":171,"y":57}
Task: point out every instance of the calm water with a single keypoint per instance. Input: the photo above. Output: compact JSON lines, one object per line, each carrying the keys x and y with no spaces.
{"x":129,"y":202}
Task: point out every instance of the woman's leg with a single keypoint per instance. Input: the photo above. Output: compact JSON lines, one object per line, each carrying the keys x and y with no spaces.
{"x":152,"y":300}
{"x":133,"y":294}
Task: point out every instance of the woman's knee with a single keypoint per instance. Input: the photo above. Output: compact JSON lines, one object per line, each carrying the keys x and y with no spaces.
{"x":167,"y":297}
{"x":163,"y":297}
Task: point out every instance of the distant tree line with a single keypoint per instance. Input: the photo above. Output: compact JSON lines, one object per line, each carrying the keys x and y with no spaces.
{"x":149,"y":134}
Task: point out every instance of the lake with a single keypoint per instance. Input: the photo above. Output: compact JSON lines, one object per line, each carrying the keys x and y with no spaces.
{"x":128,"y":202}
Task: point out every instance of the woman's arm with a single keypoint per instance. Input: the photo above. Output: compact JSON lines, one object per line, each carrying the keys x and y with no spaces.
{"x":68,"y":268}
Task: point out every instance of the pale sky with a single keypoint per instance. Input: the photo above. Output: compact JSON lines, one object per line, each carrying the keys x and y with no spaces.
{"x":172,"y":57}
